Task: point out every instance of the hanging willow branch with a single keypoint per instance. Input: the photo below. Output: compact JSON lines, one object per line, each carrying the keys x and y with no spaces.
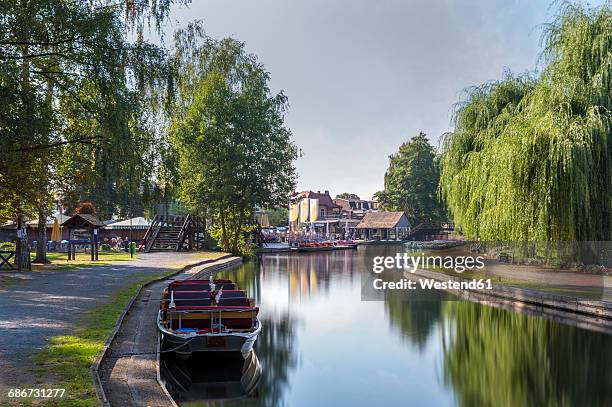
{"x":530,"y":158}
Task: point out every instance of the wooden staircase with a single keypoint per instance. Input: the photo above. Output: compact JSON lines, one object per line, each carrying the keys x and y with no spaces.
{"x":173,"y":233}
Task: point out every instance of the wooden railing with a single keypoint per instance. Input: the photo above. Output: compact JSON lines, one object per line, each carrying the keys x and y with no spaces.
{"x":189,"y":229}
{"x":183,"y":233}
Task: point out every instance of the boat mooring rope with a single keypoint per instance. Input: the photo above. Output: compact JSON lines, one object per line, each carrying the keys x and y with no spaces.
{"x":123,"y":355}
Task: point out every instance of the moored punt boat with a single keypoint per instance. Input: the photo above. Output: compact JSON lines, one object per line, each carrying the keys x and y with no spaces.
{"x":349,"y":244}
{"x":205,"y":315}
{"x":315,"y":246}
{"x":326,"y":246}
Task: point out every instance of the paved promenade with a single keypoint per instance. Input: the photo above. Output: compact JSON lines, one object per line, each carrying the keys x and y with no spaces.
{"x":47,"y":304}
{"x":580,"y":285}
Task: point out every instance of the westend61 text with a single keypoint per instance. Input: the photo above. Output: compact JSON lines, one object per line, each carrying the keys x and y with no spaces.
{"x":431,"y":284}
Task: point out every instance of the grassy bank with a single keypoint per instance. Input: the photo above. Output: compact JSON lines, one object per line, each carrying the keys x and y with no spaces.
{"x":59,"y":261}
{"x":65,"y":362}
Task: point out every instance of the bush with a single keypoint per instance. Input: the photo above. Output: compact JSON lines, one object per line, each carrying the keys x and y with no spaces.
{"x":593,"y":269}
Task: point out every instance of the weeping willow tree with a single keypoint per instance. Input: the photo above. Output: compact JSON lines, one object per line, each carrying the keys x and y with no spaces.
{"x":530,"y":156}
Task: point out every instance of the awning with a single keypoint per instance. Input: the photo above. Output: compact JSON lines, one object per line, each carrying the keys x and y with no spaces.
{"x":136,"y":223}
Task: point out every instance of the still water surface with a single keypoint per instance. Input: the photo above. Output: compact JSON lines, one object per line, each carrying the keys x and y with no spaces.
{"x":321,"y":345}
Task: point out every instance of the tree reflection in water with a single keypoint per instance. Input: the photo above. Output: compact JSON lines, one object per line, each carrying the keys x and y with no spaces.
{"x":464,"y":353}
{"x":415,"y":318}
{"x":493,"y":357}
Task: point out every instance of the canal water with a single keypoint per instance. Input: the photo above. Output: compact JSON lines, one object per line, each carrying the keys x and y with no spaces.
{"x":322,"y":344}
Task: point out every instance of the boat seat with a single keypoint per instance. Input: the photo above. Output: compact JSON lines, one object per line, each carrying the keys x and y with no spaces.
{"x":202,"y":286}
{"x":190,"y":298}
{"x":233,"y":294}
{"x":236,"y":302}
{"x":190,"y":302}
{"x":183,"y":283}
{"x":231,"y":319}
{"x":190,"y":294}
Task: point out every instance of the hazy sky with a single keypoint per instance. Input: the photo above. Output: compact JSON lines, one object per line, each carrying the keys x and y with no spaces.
{"x":363,"y":76}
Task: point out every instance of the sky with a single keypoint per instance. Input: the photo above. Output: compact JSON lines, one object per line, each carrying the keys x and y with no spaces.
{"x":363,"y":76}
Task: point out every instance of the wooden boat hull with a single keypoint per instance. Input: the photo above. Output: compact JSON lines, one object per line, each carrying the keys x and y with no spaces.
{"x":316,"y":249}
{"x":352,"y":246}
{"x":185,"y":345}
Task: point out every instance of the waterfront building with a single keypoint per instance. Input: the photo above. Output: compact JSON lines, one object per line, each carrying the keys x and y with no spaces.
{"x":355,"y":208}
{"x":384,"y":226}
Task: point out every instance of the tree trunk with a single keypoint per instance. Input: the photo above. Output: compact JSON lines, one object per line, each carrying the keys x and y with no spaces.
{"x":224,"y":232}
{"x":237,"y":234}
{"x":41,"y":246}
{"x":236,"y":239}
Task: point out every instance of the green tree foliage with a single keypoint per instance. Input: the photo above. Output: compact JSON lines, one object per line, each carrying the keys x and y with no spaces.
{"x":278,"y":216}
{"x":73,"y":92}
{"x":530,"y":157}
{"x":347,"y":195}
{"x":234,"y":152}
{"x":411,"y":182}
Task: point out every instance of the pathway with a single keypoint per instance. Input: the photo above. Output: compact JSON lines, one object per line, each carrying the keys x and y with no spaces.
{"x":48,"y":304}
{"x":581,"y":285}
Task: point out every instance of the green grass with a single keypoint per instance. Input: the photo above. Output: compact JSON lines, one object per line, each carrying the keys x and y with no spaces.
{"x":59,"y":261}
{"x":66,"y":361}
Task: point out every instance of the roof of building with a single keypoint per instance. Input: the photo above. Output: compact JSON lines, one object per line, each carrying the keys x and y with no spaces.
{"x":380,"y":220}
{"x":324,"y":198}
{"x":83,"y":219}
{"x":33,"y":223}
{"x":136,"y":223}
{"x":343,"y":203}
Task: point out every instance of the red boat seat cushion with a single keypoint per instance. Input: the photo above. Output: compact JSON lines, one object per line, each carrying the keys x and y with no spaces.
{"x":236,"y":302}
{"x":191,"y":294}
{"x":233,"y":294}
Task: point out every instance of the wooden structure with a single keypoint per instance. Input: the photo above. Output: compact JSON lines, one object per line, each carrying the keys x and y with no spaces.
{"x":18,"y":258}
{"x":384,"y":226}
{"x":80,"y":227}
{"x":427,"y":231}
{"x":175,"y":233}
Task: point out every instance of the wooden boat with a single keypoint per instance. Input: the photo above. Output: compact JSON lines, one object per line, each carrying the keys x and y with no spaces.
{"x":315,"y":246}
{"x":207,"y":315}
{"x":348,"y":244}
{"x":326,"y":246}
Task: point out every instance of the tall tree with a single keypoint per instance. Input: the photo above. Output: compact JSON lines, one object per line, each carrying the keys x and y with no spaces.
{"x":411,"y":182}
{"x":234,"y":150}
{"x":531,"y":158}
{"x":278,"y":216}
{"x":73,"y":91}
